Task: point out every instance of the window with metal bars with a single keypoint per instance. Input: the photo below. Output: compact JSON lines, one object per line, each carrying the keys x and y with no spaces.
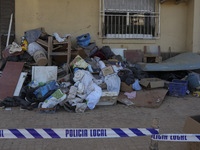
{"x":129,"y":19}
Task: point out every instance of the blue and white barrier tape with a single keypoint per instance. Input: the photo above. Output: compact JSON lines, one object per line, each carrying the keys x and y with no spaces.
{"x":75,"y":133}
{"x":177,"y":137}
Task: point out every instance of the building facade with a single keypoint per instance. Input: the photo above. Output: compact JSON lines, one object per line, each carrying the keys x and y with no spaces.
{"x":119,"y":24}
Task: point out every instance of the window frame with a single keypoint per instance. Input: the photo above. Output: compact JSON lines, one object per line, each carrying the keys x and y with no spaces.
{"x":103,"y":15}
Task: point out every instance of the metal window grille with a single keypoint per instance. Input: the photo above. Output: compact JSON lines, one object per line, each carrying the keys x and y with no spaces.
{"x":138,"y":19}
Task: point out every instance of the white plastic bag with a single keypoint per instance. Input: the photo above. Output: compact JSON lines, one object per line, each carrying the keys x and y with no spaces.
{"x":94,"y":97}
{"x":113,"y":83}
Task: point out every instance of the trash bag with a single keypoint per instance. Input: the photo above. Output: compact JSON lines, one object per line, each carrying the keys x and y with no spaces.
{"x":107,"y":52}
{"x":138,"y":73}
{"x":94,"y":97}
{"x":113,"y":83}
{"x":9,"y":102}
{"x":84,"y":40}
{"x":99,"y":54}
{"x":126,"y":76}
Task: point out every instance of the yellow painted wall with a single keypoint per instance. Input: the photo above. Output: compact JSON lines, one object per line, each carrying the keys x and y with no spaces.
{"x":81,"y":16}
{"x":196,"y":30}
{"x":190,"y":25}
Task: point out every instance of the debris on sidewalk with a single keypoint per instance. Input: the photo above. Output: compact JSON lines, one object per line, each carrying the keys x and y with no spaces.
{"x":93,"y":77}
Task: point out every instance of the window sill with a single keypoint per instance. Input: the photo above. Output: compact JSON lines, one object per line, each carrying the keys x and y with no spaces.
{"x":129,"y":41}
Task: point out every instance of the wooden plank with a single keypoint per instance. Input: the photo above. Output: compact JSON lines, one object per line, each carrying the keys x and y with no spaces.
{"x":50,"y":47}
{"x":59,"y":54}
{"x":69,"y":50}
{"x":107,"y":94}
{"x":43,"y":43}
{"x":20,"y":83}
{"x":9,"y":79}
{"x":55,"y":42}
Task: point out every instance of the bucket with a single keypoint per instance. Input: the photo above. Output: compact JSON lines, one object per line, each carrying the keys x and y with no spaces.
{"x":40,"y":58}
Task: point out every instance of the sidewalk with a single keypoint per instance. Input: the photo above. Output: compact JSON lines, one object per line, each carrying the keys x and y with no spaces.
{"x":172,"y":115}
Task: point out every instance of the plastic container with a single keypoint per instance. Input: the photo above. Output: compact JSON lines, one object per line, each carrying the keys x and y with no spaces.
{"x":178,"y":88}
{"x":24,"y":44}
{"x":84,"y":40}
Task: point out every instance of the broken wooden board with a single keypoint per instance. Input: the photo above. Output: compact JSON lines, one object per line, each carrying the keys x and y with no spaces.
{"x":147,"y":98}
{"x":9,"y":79}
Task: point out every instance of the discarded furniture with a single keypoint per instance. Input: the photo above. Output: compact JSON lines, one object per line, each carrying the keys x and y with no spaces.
{"x":152,"y":54}
{"x":53,"y":46}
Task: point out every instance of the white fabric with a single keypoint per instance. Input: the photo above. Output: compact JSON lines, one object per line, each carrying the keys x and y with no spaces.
{"x":79,"y":74}
{"x":94,"y":97}
{"x":59,"y":39}
{"x":113,"y":83}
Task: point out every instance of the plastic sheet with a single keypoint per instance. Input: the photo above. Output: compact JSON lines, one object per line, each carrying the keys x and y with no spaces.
{"x":94,"y":97}
{"x":113,"y":83}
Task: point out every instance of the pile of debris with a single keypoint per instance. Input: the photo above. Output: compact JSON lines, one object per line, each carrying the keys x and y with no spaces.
{"x":95,"y":76}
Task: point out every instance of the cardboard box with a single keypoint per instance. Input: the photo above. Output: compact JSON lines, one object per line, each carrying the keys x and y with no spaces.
{"x":107,"y":71}
{"x":192,"y":126}
{"x":126,"y":88}
{"x":152,"y":83}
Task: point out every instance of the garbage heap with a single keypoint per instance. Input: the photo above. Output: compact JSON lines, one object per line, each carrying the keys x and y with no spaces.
{"x":95,"y":76}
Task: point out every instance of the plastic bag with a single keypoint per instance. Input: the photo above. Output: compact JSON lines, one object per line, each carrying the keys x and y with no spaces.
{"x":54,"y":99}
{"x":15,"y":48}
{"x":75,"y":101}
{"x":79,"y":62}
{"x":81,"y":107}
{"x":94,"y":97}
{"x":86,"y":78}
{"x":59,"y":39}
{"x":136,"y":86}
{"x":84,"y":40}
{"x":40,"y":92}
{"x":113,"y":83}
{"x":107,"y":51}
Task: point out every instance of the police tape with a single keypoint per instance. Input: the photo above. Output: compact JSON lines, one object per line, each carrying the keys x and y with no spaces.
{"x":177,"y":137}
{"x":75,"y":133}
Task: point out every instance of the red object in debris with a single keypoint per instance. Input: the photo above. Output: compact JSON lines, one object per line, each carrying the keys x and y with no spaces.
{"x":9,"y":79}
